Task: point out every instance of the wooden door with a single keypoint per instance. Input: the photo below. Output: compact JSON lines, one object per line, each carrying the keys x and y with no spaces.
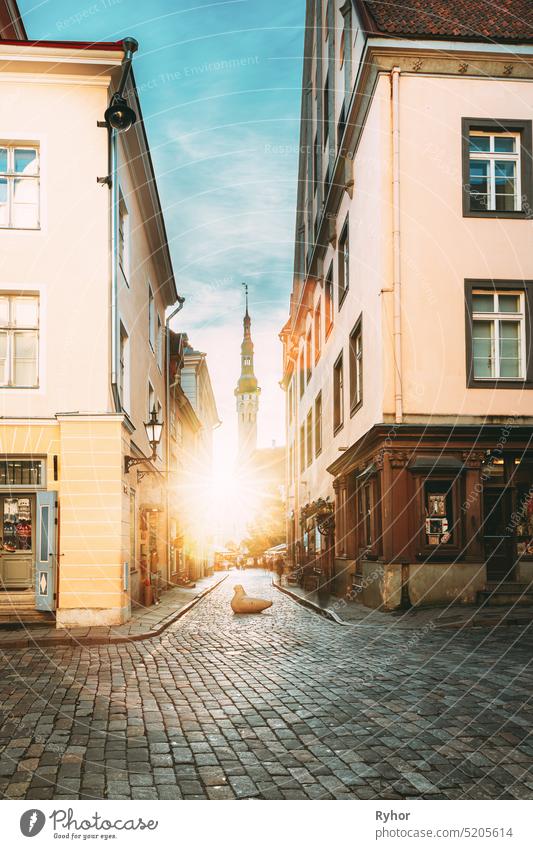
{"x":497,"y":533}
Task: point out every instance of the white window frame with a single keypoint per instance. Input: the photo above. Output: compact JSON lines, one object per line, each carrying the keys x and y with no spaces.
{"x":159,"y":338}
{"x":151,"y":317}
{"x":492,"y":157}
{"x":151,"y":399}
{"x":159,"y":409}
{"x":498,"y":317}
{"x":124,"y":370}
{"x":123,"y":236}
{"x":11,"y":176}
{"x":11,"y":330}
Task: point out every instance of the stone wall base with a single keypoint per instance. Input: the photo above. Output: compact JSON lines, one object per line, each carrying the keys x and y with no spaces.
{"x":427,"y":584}
{"x":82,"y":617}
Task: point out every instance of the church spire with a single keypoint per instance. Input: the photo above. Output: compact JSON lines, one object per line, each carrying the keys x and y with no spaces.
{"x":247,"y":391}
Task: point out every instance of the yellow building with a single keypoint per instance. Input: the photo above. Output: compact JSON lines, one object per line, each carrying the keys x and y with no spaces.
{"x":85,"y":282}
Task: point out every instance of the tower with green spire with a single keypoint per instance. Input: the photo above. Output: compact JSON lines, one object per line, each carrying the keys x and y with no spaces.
{"x":247,"y":391}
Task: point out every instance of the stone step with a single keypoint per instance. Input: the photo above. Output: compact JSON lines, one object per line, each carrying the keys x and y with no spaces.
{"x":503,"y":595}
{"x":19,"y":607}
{"x":509,"y":585}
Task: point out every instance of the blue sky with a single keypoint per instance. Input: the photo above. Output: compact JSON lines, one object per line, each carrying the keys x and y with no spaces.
{"x":220,"y":90}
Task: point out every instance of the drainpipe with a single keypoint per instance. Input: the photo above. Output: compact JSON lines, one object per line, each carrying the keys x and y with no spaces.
{"x":114,"y":123}
{"x":396,"y":272}
{"x":174,"y":312}
{"x":115,"y":329}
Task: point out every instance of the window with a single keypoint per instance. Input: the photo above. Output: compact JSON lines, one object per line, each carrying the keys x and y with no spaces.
{"x":318,"y":331}
{"x":308,"y":354}
{"x":19,"y":472}
{"x":124,"y":372}
{"x":290,"y":401}
{"x":318,"y":424}
{"x":325,"y":110}
{"x":343,"y":259}
{"x":159,"y":449}
{"x":496,"y":168}
{"x":498,"y":334}
{"x":19,"y":340}
{"x":159,"y":344}
{"x":356,"y":366}
{"x":302,"y":373}
{"x":315,"y":162}
{"x":151,"y":318}
{"x":328,"y":300}
{"x":151,"y":400}
{"x":302,"y":448}
{"x":123,"y":237}
{"x":19,"y":186}
{"x":498,"y":329}
{"x":338,"y":395}
{"x":309,"y":436}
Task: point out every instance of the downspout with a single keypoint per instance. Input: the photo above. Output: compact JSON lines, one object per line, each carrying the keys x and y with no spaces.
{"x":396,"y":248}
{"x":115,"y":329}
{"x":130,"y":47}
{"x":174,"y":312}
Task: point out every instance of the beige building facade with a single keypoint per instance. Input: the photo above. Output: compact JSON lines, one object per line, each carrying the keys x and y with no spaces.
{"x":85,"y":283}
{"x":407,"y":353}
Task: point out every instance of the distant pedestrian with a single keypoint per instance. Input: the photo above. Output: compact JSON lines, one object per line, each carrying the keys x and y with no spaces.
{"x":280,"y":566}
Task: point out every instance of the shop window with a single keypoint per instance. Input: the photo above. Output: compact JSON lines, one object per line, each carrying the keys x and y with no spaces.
{"x":441,"y":530}
{"x":496,"y":168}
{"x":17,"y":472}
{"x":17,"y":532}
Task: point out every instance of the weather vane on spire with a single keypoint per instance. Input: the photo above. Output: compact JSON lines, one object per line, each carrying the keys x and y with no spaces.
{"x":246,"y":295}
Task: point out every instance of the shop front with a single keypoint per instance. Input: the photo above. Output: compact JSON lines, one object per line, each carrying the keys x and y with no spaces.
{"x":28,"y":540}
{"x":317,"y":546}
{"x":435,"y":517}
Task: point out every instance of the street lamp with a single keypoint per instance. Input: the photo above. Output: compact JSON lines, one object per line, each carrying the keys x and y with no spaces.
{"x":154,"y":431}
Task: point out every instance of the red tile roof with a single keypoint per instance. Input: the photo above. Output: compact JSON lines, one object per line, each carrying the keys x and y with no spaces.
{"x":479,"y":20}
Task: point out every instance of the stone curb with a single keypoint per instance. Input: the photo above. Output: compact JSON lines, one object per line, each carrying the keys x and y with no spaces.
{"x":509,"y":621}
{"x":325,"y":612}
{"x":73,"y":642}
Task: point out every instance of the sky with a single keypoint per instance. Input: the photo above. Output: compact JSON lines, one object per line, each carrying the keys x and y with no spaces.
{"x":220,"y":87}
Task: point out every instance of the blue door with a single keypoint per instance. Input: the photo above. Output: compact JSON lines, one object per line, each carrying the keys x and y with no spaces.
{"x":45,"y":550}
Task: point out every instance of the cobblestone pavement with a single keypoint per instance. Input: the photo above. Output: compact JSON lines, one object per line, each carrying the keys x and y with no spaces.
{"x":285,"y":705}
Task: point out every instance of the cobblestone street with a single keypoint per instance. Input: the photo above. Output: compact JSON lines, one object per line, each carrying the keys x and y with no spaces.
{"x":285,"y":705}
